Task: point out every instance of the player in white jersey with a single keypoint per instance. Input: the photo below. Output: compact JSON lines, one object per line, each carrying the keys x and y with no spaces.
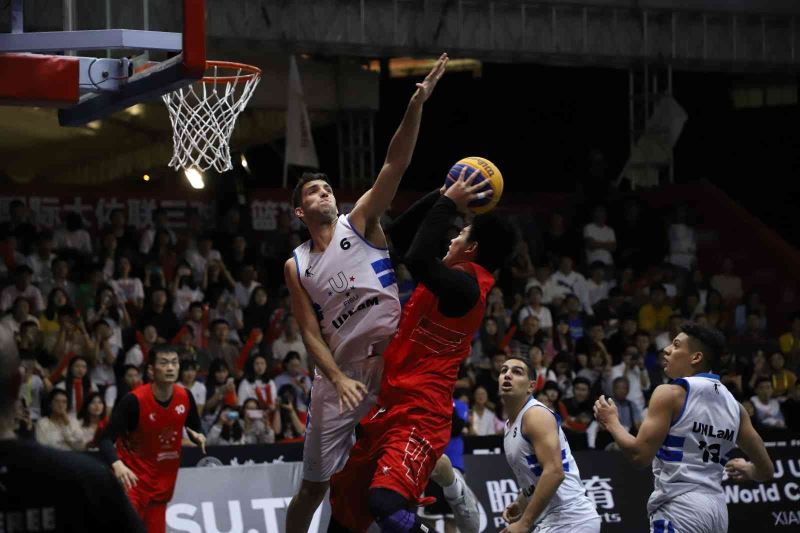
{"x":552,"y":498}
{"x":691,"y":427}
{"x":344,"y":297}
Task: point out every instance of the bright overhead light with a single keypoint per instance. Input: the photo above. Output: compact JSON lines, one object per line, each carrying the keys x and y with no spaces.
{"x":135,"y":110}
{"x":94,"y":125}
{"x":195,"y":178}
{"x":245,"y":165}
{"x":146,"y":177}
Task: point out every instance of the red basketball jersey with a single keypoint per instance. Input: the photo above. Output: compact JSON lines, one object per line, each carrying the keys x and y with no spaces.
{"x":421,"y":362}
{"x":153,"y":450}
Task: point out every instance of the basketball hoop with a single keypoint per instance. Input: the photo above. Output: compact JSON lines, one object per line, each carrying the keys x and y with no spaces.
{"x":204,"y":113}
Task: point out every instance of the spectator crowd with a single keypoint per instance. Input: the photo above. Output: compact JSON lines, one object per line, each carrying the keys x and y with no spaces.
{"x":589,"y":299}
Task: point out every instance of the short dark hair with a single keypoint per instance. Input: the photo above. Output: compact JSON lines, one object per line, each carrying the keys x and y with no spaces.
{"x":157,"y":349}
{"x":496,"y":240}
{"x":290,"y":357}
{"x":709,"y":341}
{"x":761,"y":380}
{"x":620,"y":380}
{"x":188,"y":364}
{"x":217,"y":322}
{"x":128,"y":367}
{"x":307,"y":177}
{"x":582,"y":380}
{"x":531,"y":371}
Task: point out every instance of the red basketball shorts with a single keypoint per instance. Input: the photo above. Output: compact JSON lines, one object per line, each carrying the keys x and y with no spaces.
{"x":397,"y":450}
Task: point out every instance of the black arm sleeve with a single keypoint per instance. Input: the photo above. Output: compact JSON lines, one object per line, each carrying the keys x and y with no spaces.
{"x":193,"y":419}
{"x":124,"y":420}
{"x":457,"y":291}
{"x":402,"y":229}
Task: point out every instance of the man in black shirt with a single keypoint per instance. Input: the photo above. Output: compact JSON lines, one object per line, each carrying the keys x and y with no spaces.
{"x":42,"y":489}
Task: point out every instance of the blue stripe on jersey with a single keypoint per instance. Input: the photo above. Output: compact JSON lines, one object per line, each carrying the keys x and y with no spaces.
{"x":381,"y":265}
{"x":674,"y":441}
{"x":658,"y":526}
{"x":671,"y":456}
{"x":534,"y":465}
{"x":563,"y":454}
{"x":670,"y":529}
{"x":387,"y":279}
{"x":297,"y":267}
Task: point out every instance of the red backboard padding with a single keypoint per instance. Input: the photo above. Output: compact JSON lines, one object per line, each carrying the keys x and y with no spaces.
{"x":36,"y":79}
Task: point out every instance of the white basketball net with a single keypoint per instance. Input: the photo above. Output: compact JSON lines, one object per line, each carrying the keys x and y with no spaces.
{"x":203,"y":115}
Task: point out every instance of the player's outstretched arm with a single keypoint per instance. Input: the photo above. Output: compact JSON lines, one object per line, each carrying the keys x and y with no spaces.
{"x":351,"y":392}
{"x":541,"y":428}
{"x":377,"y":200}
{"x":643,"y":447}
{"x":760,"y":467}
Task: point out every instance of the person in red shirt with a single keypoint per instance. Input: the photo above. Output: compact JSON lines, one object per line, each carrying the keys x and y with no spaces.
{"x":408,"y":429}
{"x":142,"y":443}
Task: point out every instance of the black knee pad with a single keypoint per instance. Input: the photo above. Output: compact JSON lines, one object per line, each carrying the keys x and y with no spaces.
{"x":384,"y":502}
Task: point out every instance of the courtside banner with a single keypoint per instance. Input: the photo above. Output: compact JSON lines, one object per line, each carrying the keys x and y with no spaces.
{"x":237,"y":499}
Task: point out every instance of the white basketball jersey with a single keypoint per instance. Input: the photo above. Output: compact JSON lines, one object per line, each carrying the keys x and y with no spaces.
{"x":699,"y":442}
{"x":353,"y":289}
{"x":569,"y":504}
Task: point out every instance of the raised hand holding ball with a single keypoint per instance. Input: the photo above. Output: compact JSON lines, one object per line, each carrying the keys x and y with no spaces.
{"x":488,"y":179}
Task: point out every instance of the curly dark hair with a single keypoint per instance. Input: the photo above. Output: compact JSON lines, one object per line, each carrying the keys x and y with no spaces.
{"x":297,"y":193}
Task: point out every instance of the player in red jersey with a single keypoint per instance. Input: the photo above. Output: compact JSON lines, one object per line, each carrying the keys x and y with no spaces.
{"x":409,"y":427}
{"x":147,"y":427}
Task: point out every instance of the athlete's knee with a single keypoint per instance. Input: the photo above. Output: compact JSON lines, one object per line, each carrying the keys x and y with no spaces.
{"x":391,"y":512}
{"x":443,"y":471}
{"x":311,"y":491}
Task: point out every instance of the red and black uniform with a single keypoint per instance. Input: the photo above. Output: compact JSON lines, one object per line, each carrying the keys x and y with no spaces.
{"x":409,"y":427}
{"x":148,"y":435}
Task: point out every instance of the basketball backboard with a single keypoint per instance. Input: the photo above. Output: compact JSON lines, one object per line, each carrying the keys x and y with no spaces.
{"x":35,"y":68}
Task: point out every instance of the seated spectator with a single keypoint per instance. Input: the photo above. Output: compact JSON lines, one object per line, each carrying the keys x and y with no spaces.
{"x":521,"y":267}
{"x":562,"y":367}
{"x":57,"y":428}
{"x":575,"y":317}
{"x":256,"y":314}
{"x":752,"y":305}
{"x":782,"y":379}
{"x":200,"y":258}
{"x":488,"y":378}
{"x":753,"y":337}
{"x":486,"y":343}
{"x":483,"y":420}
{"x":665,"y":338}
{"x":600,"y":241}
{"x":48,"y":320}
{"x":290,"y":341}
{"x":159,"y":315}
{"x":108,"y":309}
{"x":22,"y":288}
{"x":161,"y":260}
{"x":624,"y":336}
{"x":715,"y":312}
{"x":562,"y":340}
{"x":188,"y":379}
{"x":550,"y":395}
{"x":293,"y":417}
{"x":223,"y":306}
{"x":196,"y":320}
{"x":767,"y":409}
{"x":731,"y":373}
{"x":104,"y":355}
{"x":559,"y":239}
{"x":145,"y":339}
{"x":160,"y":221}
{"x":632,"y":367}
{"x":545,"y":282}
{"x":227,"y":429}
{"x":567,"y":282}
{"x":256,"y":423}
{"x":527,"y":336}
{"x":125,"y":235}
{"x":220,"y":346}
{"x":597,"y":284}
{"x":538,"y":365}
{"x":790,"y":341}
{"x":106,"y":256}
{"x":682,"y":241}
{"x":630,"y":416}
{"x":256,"y":384}
{"x":759,"y":368}
{"x":594,"y":338}
{"x":72,"y":236}
{"x":220,"y":390}
{"x":42,"y":259}
{"x":131,"y":378}
{"x":11,"y":323}
{"x":216,"y":280}
{"x":496,"y":309}
{"x":35,"y":386}
{"x":791,"y":408}
{"x":246,"y":285}
{"x":691,"y":306}
{"x":655,"y":314}
{"x":92,"y":418}
{"x":72,"y":335}
{"x":86,"y":293}
{"x":577,"y":413}
{"x":612,"y":309}
{"x":598,"y":370}
{"x":77,"y":384}
{"x":30,"y":345}
{"x":535,"y":307}
{"x":727,"y":283}
{"x":294,"y":375}
{"x":128,"y":289}
{"x":186,"y":293}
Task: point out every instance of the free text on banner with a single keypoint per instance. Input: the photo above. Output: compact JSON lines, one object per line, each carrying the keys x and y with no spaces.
{"x":253,"y":498}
